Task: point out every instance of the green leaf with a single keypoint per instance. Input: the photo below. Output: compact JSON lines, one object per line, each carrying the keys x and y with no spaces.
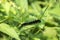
{"x":36,"y":11}
{"x":55,"y":10}
{"x":8,"y":30}
{"x":50,"y":32}
{"x":6,"y":8}
{"x":36,"y":38}
{"x":23,"y":4}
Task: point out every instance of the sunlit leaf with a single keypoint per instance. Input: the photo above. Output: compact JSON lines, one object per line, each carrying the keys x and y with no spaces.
{"x":8,"y":30}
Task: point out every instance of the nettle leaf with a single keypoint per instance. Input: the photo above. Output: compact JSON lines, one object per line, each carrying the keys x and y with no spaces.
{"x":36,"y":38}
{"x":50,"y":32}
{"x":6,"y":8}
{"x":22,"y":14}
{"x":36,"y":10}
{"x":27,"y":27}
{"x":23,"y":4}
{"x":13,"y":10}
{"x":55,"y":10}
{"x":5,"y":28}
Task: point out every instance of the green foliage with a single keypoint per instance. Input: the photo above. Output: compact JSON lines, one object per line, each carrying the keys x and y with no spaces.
{"x":8,"y":30}
{"x":29,"y":19}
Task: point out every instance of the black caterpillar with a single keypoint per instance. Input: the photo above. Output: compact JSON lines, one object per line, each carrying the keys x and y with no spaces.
{"x":30,"y":23}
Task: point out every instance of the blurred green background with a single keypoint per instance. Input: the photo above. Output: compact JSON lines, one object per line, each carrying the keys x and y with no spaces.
{"x":29,"y":19}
